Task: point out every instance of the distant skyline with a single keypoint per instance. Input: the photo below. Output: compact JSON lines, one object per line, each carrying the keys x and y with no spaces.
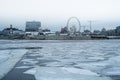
{"x":53,"y":14}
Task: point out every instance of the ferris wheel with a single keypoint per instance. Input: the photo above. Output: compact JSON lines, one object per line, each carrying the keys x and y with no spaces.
{"x":73,"y":25}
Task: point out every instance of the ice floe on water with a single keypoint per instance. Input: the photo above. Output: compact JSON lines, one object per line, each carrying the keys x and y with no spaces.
{"x":31,"y":71}
{"x":66,"y":60}
{"x":85,"y":60}
{"x":29,"y":61}
{"x":4,"y":55}
{"x":113,"y":67}
{"x":8,"y":58}
{"x":79,"y":71}
{"x":112,"y":71}
{"x":64,"y":73}
{"x":21,"y":67}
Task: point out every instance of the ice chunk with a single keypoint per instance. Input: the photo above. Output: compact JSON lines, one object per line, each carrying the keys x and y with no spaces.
{"x":29,"y":61}
{"x":64,"y":73}
{"x":80,"y":71}
{"x":4,"y":55}
{"x":112,"y":71}
{"x":94,"y":66}
{"x":20,"y":67}
{"x":31,"y":71}
{"x":113,"y":68}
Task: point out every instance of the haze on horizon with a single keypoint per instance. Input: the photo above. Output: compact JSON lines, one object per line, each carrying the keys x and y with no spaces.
{"x":55,"y":13}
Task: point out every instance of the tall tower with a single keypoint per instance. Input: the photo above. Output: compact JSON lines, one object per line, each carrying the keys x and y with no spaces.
{"x":11,"y":29}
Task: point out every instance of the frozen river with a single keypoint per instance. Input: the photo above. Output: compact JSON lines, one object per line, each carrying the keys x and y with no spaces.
{"x":62,"y":59}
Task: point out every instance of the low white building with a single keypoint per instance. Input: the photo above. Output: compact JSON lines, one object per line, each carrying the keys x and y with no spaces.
{"x":32,"y":34}
{"x":49,"y":33}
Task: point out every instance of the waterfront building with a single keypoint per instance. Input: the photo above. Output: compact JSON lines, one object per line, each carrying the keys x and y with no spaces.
{"x":64,"y":30}
{"x":86,"y":32}
{"x":12,"y":33}
{"x":9,"y":30}
{"x":103,"y":32}
{"x":32,"y":34}
{"x":32,"y":26}
{"x":117,"y":30}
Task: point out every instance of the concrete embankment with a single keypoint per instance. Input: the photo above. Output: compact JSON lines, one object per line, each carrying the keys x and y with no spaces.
{"x":54,"y":37}
{"x":68,"y":38}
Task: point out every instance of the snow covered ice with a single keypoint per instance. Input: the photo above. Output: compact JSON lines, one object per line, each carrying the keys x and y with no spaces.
{"x":66,"y":60}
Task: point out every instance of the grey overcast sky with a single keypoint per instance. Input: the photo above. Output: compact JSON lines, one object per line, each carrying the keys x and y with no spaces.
{"x":54,"y":13}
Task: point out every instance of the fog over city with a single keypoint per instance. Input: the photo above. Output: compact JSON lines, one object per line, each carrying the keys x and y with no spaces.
{"x":54,"y":14}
